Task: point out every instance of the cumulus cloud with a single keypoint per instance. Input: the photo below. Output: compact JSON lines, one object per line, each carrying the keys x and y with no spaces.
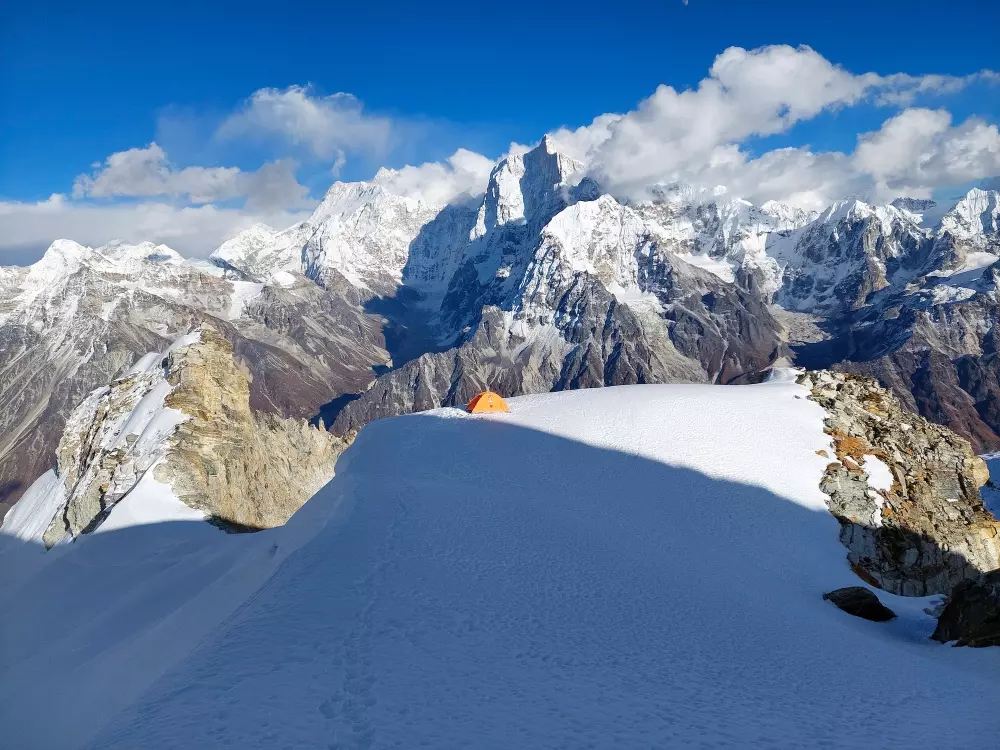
{"x":698,"y":135}
{"x":703,"y":136}
{"x":914,"y":153}
{"x":27,"y":228}
{"x":580,"y":144}
{"x":145,"y":172}
{"x":920,"y":148}
{"x":460,"y":177}
{"x":327,"y":126}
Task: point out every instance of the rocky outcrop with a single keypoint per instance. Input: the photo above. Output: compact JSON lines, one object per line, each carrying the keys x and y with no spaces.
{"x":244,"y":469}
{"x":183,"y":419}
{"x":860,"y":602}
{"x":972,"y":615}
{"x":905,"y":491}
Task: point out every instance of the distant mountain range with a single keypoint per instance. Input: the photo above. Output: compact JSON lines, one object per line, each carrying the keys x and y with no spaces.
{"x":383,"y":304}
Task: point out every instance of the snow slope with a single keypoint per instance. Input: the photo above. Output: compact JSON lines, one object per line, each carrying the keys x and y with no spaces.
{"x":29,"y":519}
{"x":618,"y":567}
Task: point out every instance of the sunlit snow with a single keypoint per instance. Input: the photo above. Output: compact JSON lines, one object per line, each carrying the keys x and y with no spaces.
{"x":619,"y":567}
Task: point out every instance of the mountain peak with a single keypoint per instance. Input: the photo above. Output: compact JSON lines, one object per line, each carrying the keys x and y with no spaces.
{"x":527,"y":188}
{"x":129,"y":255}
{"x":913,"y":205}
{"x":975,"y":217}
{"x":850,"y":208}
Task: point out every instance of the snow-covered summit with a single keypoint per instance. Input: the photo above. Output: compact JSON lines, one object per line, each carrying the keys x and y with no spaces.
{"x":364,"y":232}
{"x":259,"y":252}
{"x":976,"y":218}
{"x":526,"y":189}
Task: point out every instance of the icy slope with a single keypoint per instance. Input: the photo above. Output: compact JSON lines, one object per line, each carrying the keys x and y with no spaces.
{"x":620,"y":567}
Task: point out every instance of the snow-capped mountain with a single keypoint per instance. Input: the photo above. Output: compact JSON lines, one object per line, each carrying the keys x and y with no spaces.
{"x":80,"y":316}
{"x":848,"y":252}
{"x":562,"y":287}
{"x":547,"y":283}
{"x":720,"y":233}
{"x":975,"y":218}
{"x":261,"y":253}
{"x":826,"y":263}
{"x":360,"y":233}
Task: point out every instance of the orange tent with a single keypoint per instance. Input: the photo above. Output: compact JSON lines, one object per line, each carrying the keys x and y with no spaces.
{"x":486,"y":401}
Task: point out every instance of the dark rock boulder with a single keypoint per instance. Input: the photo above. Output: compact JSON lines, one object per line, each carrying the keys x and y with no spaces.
{"x":972,"y":615}
{"x":860,"y":602}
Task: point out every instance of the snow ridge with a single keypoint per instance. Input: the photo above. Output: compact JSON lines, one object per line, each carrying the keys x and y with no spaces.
{"x":463,"y":582}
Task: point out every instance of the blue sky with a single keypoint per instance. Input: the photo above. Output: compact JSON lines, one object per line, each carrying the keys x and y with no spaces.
{"x":78,"y":83}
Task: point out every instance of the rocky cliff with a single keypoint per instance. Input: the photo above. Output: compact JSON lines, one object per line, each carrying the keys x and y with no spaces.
{"x":905,"y":491}
{"x":244,"y":469}
{"x":177,"y":432}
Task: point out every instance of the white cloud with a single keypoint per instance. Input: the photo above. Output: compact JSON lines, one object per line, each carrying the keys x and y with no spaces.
{"x":920,"y":149}
{"x":327,"y":126}
{"x":696,"y":135}
{"x":699,"y":136}
{"x":914,"y":153}
{"x":460,"y":177}
{"x":580,"y":144}
{"x":274,"y":186}
{"x":145,"y":172}
{"x":901,"y":88}
{"x":26,"y":229}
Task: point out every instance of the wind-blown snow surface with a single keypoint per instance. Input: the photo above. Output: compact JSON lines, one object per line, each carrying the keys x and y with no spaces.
{"x":619,"y":567}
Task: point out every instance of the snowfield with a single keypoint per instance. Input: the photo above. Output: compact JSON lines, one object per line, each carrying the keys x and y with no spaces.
{"x":622,"y":567}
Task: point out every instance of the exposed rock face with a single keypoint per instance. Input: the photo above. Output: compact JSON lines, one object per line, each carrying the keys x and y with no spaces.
{"x":110,"y":441}
{"x":972,"y":615}
{"x":184,"y":419}
{"x":940,"y":359}
{"x":860,"y":602}
{"x":605,"y":345}
{"x":242,"y":468}
{"x":904,"y":490}
{"x":851,"y":251}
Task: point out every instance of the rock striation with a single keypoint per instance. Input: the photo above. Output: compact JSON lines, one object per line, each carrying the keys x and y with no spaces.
{"x":905,"y":491}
